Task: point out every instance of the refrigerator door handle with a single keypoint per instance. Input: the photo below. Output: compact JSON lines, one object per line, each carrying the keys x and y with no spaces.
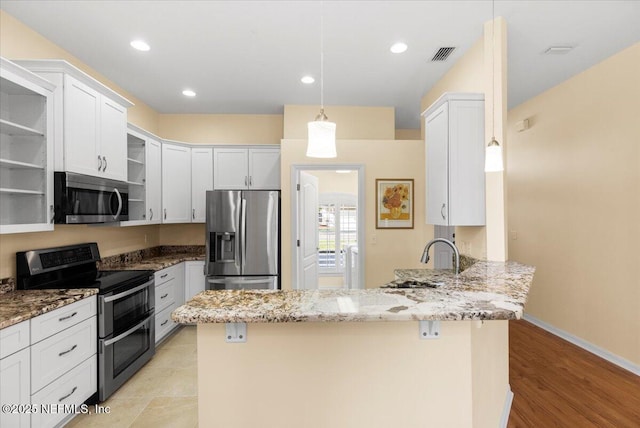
{"x":243,"y":233}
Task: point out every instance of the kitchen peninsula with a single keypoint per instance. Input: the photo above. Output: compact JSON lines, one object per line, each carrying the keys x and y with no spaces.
{"x":313,"y":359}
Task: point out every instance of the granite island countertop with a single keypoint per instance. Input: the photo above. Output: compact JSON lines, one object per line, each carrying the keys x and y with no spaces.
{"x":485,"y":291}
{"x":21,"y":305}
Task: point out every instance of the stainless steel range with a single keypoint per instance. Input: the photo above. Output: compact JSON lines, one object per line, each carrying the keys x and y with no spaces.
{"x":126,"y":313}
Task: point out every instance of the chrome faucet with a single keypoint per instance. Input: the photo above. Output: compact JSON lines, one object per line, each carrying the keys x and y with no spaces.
{"x":425,"y":254}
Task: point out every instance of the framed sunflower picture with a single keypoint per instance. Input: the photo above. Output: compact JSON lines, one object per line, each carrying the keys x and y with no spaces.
{"x":394,"y":203}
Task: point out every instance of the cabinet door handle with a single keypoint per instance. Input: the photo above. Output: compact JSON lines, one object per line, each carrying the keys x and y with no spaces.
{"x":53,"y":213}
{"x":164,"y":323}
{"x":164,"y":276}
{"x":164,"y":295}
{"x":250,"y":180}
{"x":245,"y":180}
{"x":165,"y":213}
{"x":150,"y":214}
{"x":67,"y":351}
{"x":60,"y":400}
{"x":105,"y":163}
{"x":442,"y":211}
{"x":68,"y":316}
{"x":193,"y":214}
{"x":99,"y":163}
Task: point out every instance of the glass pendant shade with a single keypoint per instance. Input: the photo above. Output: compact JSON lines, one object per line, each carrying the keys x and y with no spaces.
{"x":322,"y":138}
{"x":493,"y":157}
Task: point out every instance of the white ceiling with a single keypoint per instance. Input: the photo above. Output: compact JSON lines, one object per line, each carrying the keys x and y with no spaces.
{"x":249,"y":56}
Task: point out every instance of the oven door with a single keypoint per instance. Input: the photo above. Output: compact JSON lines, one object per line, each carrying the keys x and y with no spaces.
{"x":122,"y":308}
{"x":120,"y":357}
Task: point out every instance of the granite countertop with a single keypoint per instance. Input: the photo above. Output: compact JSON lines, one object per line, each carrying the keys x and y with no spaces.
{"x":485,"y":291}
{"x":21,"y":305}
{"x":153,"y":260}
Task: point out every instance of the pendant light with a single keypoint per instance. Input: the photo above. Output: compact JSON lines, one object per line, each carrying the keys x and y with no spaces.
{"x":493,"y":152}
{"x":322,"y":133}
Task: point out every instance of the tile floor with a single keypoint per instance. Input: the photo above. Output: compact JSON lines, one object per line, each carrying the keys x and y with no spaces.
{"x":163,"y":393}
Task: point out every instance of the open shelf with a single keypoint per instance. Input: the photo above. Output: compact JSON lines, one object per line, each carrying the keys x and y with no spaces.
{"x":135,"y":183}
{"x":8,"y":163}
{"x":20,"y":191}
{"x":136,"y":161}
{"x":136,"y":200}
{"x":11,"y":128}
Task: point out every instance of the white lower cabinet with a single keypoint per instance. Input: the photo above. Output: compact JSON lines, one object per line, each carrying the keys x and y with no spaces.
{"x":15,"y":388}
{"x":66,"y":392}
{"x":56,"y":355}
{"x":195,"y":279}
{"x":169,"y":295}
{"x":164,"y":323}
{"x":48,"y":365}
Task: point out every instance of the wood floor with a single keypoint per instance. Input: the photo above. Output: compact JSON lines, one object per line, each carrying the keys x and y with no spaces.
{"x":557,"y":384}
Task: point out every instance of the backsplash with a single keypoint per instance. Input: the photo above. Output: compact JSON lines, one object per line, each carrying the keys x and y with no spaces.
{"x":7,"y":284}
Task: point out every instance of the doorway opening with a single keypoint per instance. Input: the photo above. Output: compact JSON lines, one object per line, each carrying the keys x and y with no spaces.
{"x":327,"y":212}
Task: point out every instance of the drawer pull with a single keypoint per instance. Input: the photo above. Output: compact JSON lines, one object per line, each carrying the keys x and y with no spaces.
{"x":164,"y":323}
{"x":68,"y":395}
{"x":68,"y":316}
{"x":163,"y":296}
{"x":164,"y":276}
{"x":67,"y":351}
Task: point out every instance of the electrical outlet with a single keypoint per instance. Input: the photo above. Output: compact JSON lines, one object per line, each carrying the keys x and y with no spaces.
{"x":374,"y":239}
{"x":145,"y":238}
{"x":514,"y":235}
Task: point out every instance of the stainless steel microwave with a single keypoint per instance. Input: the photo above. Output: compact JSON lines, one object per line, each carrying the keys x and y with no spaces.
{"x":83,"y":199}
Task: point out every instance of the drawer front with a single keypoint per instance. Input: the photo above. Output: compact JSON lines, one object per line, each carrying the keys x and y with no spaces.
{"x":165,"y":295}
{"x":53,"y":357}
{"x":53,"y":322}
{"x":71,"y":389}
{"x":164,"y":323}
{"x":14,"y":338}
{"x":167,"y":274}
{"x":15,"y":388}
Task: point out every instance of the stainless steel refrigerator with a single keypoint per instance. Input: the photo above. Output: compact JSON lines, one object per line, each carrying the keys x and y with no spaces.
{"x":243,"y":239}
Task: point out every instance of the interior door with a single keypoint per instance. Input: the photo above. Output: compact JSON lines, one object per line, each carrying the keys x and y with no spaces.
{"x":308,"y":232}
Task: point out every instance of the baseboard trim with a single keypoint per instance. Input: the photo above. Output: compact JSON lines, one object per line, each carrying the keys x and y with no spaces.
{"x":596,"y":350}
{"x":506,"y":410}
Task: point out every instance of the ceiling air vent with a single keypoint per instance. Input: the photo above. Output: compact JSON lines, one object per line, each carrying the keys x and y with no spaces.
{"x":442,"y":54}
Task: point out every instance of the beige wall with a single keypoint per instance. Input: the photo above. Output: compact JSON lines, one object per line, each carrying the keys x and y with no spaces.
{"x":353,"y":375}
{"x":366,"y":123}
{"x":222,"y":128}
{"x":111,"y":240}
{"x":474,"y":73}
{"x":387,"y":249}
{"x":574,"y":203}
{"x":408,"y":134}
{"x":333,"y":182}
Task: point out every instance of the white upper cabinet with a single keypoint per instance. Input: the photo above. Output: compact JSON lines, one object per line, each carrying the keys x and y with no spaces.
{"x":176,"y":183}
{"x":247,"y":168}
{"x":454,"y":138}
{"x":201,"y":181}
{"x":26,"y":150}
{"x":264,"y":169}
{"x":90,"y":121}
{"x":231,"y":168}
{"x":144,"y":177}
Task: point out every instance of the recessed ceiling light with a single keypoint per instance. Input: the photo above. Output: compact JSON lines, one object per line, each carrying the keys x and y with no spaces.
{"x":398,"y":47}
{"x":188,"y":93}
{"x":307,"y":80}
{"x":140,"y":45}
{"x":343,"y":171}
{"x":558,"y":50}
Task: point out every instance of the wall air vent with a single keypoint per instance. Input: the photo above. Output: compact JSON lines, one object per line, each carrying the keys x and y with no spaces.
{"x":442,"y":54}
